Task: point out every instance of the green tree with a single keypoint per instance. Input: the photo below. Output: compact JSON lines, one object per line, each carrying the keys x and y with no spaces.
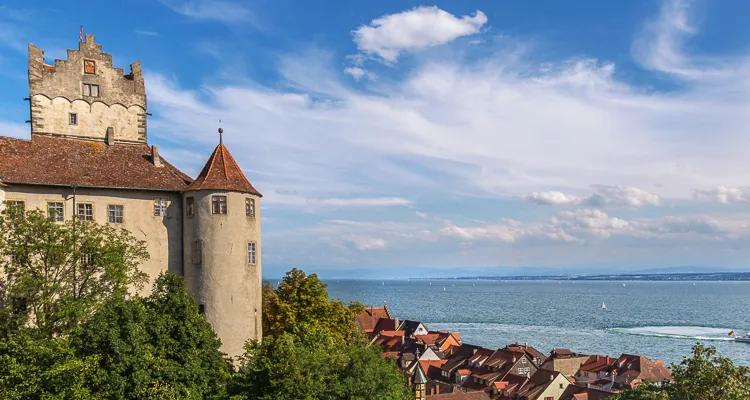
{"x":34,"y":366}
{"x":316,"y":367}
{"x":56,"y":274}
{"x":300,"y":304}
{"x":158,"y":347}
{"x":703,"y":376}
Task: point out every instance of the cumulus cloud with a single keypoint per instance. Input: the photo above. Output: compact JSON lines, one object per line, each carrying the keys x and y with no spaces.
{"x":421,"y":27}
{"x":604,"y":196}
{"x":592,"y":225}
{"x":358,"y":73}
{"x":724,"y":195}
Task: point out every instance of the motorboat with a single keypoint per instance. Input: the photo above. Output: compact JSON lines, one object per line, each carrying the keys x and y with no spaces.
{"x":743,"y":339}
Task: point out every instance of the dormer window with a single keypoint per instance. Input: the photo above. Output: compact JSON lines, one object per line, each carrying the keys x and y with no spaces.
{"x":91,"y":90}
{"x":73,"y":119}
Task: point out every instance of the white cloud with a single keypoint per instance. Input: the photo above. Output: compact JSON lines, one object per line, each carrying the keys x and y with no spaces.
{"x":604,"y":196}
{"x":222,"y":11}
{"x":724,"y":195}
{"x":358,"y":73}
{"x":390,"y":35}
{"x":366,"y":243}
{"x":589,"y":226}
{"x":334,"y":202}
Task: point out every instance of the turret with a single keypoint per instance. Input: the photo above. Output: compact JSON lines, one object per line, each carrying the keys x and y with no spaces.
{"x":420,"y":384}
{"x":222,"y":250}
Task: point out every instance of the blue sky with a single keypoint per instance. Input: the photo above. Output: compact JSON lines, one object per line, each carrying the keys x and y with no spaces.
{"x":454,"y":135}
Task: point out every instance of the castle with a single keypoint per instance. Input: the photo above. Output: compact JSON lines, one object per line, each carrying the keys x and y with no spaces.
{"x":89,"y":156}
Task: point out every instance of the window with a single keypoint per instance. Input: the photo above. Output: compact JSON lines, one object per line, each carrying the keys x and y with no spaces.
{"x":114,"y":214}
{"x":561,"y":386}
{"x":161,"y":206}
{"x":524,"y":371}
{"x":219,"y":204}
{"x":550,"y":397}
{"x":87,"y":260}
{"x":189,"y":206}
{"x":251,"y":253}
{"x":89,"y":89}
{"x":85,"y":211}
{"x":250,"y":207}
{"x":89,"y":66}
{"x":16,"y":206}
{"x":201,"y":309}
{"x":55,"y":211}
{"x":73,"y":119}
{"x":195,"y":252}
{"x":523,"y":360}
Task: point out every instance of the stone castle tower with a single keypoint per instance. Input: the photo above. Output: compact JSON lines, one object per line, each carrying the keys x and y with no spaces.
{"x":222,"y":240}
{"x":89,"y":156}
{"x":84,"y":96}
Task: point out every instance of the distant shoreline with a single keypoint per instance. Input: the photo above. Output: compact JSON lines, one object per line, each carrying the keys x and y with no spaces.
{"x":713,"y":276}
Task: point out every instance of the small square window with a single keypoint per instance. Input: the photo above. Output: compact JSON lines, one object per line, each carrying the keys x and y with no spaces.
{"x":87,"y":260}
{"x":250,"y":207}
{"x":161,"y":207}
{"x":196,"y":252}
{"x":73,"y":119}
{"x":251,"y":253}
{"x":114,"y":214}
{"x":85,"y":211}
{"x":219,"y":204}
{"x":189,"y":206}
{"x":55,"y":211}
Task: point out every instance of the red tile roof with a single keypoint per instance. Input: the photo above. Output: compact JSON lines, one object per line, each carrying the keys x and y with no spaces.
{"x":221,"y":172}
{"x":49,"y":160}
{"x":459,"y":395}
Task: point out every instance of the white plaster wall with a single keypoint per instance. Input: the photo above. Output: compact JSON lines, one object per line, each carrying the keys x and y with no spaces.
{"x":163,"y":235}
{"x":93,"y":119}
{"x":224,"y":282}
{"x":554,"y":390}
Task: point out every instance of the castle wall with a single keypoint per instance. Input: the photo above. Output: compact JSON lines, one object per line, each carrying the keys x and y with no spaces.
{"x":223,"y":281}
{"x":163,"y":235}
{"x":55,"y":91}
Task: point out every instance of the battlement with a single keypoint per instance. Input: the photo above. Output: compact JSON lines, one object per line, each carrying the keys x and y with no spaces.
{"x":108,"y":97}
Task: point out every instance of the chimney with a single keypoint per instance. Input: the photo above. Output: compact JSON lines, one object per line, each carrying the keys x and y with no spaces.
{"x":110,"y":136}
{"x":551,"y":377}
{"x":597,"y":357}
{"x":155,"y":156}
{"x":396,"y":322}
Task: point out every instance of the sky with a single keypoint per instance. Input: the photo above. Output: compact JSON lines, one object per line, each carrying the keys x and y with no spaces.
{"x":394,"y":136}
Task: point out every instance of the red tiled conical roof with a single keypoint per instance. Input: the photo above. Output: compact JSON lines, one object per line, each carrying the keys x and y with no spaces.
{"x":221,"y":172}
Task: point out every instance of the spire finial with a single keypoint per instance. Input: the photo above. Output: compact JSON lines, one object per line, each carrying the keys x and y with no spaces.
{"x":221,"y":133}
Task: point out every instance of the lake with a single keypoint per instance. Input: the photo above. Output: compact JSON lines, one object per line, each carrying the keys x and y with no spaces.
{"x":660,"y":320}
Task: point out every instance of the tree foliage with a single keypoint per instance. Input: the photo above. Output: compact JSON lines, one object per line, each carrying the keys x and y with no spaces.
{"x":316,"y":367}
{"x":56,"y":274}
{"x":300,"y":304}
{"x":157,"y":347}
{"x":703,"y":376}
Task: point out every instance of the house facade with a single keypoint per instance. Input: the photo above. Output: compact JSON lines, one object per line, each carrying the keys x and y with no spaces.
{"x":88,"y":157}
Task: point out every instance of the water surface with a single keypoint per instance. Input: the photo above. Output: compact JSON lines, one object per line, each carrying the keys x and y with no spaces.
{"x":660,"y":320}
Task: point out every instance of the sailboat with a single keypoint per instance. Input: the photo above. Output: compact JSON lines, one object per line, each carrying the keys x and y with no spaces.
{"x":444,"y":288}
{"x":604,"y":307}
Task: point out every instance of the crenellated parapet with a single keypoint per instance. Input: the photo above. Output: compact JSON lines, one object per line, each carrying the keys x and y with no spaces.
{"x":85,"y":95}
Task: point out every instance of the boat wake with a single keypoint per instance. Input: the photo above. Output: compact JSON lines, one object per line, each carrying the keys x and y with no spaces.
{"x":679,"y":332}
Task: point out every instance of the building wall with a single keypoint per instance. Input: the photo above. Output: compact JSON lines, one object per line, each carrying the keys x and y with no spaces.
{"x":163,"y":235}
{"x":555,"y":389}
{"x":568,"y":365}
{"x":57,"y":90}
{"x":223,"y":282}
